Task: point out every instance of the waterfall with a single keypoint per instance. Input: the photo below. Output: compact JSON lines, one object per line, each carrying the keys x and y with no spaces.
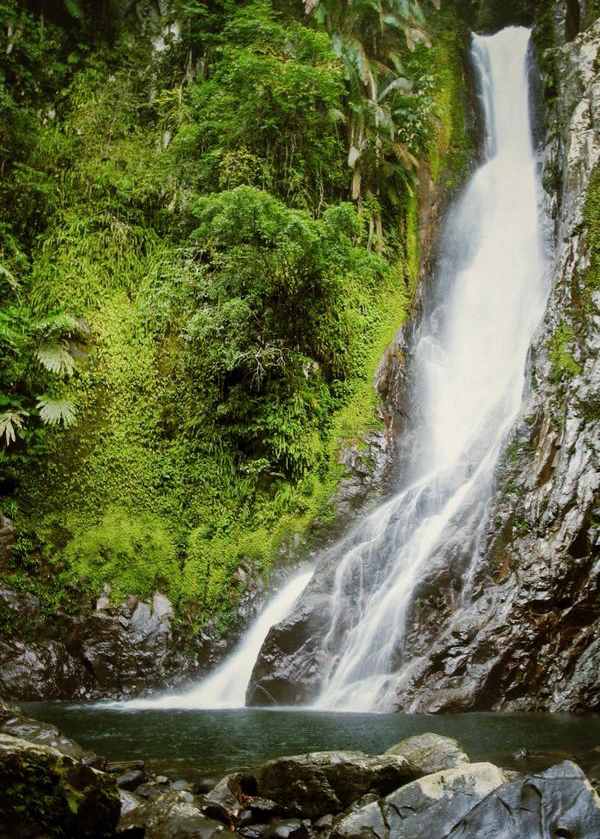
{"x":469,"y":369}
{"x":226,"y":687}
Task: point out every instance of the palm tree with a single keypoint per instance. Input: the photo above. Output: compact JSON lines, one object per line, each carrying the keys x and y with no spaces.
{"x":363,"y":35}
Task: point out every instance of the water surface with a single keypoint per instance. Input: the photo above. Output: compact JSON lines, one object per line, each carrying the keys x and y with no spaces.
{"x":196,"y":743}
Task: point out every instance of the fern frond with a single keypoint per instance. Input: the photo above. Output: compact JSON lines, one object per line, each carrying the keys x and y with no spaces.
{"x":56,"y":358}
{"x":55,"y":411}
{"x":11,"y":423}
{"x":8,"y":278}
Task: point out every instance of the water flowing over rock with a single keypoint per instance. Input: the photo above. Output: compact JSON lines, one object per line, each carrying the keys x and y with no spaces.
{"x":527,"y":637}
{"x":358,"y":630}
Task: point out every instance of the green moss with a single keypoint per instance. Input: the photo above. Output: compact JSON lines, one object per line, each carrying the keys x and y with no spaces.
{"x":452,"y":149}
{"x":592,"y":231}
{"x":561,"y":353}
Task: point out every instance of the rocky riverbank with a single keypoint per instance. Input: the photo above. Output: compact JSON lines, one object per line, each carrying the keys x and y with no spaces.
{"x":424,"y":787}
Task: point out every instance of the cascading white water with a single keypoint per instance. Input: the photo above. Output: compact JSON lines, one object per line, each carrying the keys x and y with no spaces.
{"x":469,"y":368}
{"x":226,"y":687}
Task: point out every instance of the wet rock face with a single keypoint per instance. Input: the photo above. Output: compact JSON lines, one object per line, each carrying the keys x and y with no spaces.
{"x":117,"y":650}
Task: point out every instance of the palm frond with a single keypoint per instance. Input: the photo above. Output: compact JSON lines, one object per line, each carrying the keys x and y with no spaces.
{"x":56,"y":358}
{"x":11,"y":423}
{"x":55,"y":411}
{"x":63,"y":324}
{"x":398,"y":84}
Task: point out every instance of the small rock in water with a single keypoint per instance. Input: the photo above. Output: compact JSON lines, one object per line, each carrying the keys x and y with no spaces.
{"x":253,"y":831}
{"x":521,"y":753}
{"x":179,"y":785}
{"x":290,"y":829}
{"x":161,"y":779}
{"x":131,"y":780}
{"x":129,"y":801}
{"x":264,"y":808}
{"x":119,"y":768}
{"x":204,"y":785}
{"x":150,"y":791}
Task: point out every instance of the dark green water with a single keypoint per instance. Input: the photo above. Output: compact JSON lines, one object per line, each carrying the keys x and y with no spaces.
{"x":199,"y":743}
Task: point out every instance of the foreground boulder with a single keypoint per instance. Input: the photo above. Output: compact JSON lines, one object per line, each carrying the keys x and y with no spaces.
{"x":425,"y":809}
{"x":314,"y":784}
{"x":46,"y":793}
{"x":559,"y":802}
{"x":476,"y":801}
{"x":170,"y":817}
{"x":429,"y":753}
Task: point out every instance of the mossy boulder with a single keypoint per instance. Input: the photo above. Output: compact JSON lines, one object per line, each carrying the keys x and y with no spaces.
{"x":314,"y":784}
{"x":43,"y":792}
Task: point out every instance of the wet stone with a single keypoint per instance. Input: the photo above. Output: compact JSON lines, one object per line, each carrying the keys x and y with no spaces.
{"x":253,"y":831}
{"x":324,"y":823}
{"x":131,"y":780}
{"x":289,"y":829}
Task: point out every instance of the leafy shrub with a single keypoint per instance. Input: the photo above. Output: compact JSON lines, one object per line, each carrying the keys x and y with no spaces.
{"x":274,"y":317}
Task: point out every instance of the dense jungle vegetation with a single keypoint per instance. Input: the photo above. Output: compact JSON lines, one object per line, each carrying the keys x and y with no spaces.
{"x":208,"y":236}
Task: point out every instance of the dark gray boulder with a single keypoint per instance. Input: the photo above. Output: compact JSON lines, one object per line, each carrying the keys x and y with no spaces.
{"x":314,"y":784}
{"x":429,"y":753}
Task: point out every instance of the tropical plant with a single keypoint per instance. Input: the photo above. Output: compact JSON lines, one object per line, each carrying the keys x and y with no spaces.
{"x":47,"y":341}
{"x":364,"y":37}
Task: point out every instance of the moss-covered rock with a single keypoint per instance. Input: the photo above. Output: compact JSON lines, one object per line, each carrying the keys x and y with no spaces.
{"x":43,"y":792}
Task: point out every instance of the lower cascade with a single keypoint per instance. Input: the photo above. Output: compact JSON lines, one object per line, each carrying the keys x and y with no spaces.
{"x":226,"y":687}
{"x":469,"y":365}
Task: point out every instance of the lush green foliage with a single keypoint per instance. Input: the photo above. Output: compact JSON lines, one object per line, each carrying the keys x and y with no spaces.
{"x":176,"y":212}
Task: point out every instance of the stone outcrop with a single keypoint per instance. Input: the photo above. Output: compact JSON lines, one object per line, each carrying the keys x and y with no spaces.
{"x":430,"y":806}
{"x":113,"y":650}
{"x":429,"y":753}
{"x":328,"y":782}
{"x":475,"y":800}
